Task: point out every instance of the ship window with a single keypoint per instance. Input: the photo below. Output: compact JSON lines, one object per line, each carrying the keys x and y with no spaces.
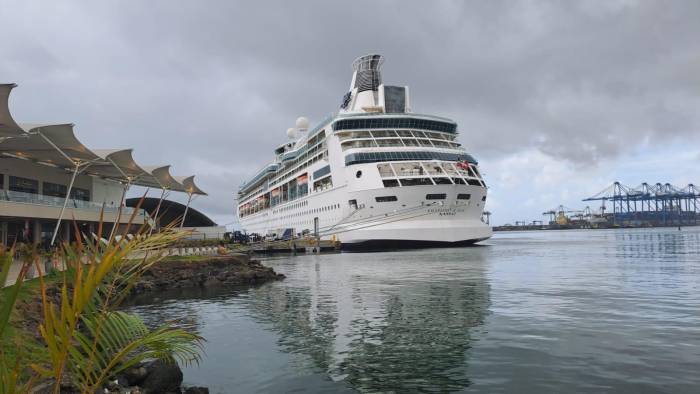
{"x":437,"y":196}
{"x":352,"y":204}
{"x":322,"y":171}
{"x":459,"y":181}
{"x":391,"y":183}
{"x":358,"y":174}
{"x":473,"y":182}
{"x":394,"y":123}
{"x":464,"y":196}
{"x":371,"y":157}
{"x":483,"y":198}
{"x":442,"y":181}
{"x":385,"y":198}
{"x":416,"y":181}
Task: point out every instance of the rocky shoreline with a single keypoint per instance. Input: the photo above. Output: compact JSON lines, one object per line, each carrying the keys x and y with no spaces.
{"x":230,"y":270}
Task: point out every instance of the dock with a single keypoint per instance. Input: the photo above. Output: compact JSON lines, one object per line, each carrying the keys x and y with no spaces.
{"x":297,"y":245}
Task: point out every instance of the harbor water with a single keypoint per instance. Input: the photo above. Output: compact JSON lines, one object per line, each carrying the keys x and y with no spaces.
{"x":527,"y":312}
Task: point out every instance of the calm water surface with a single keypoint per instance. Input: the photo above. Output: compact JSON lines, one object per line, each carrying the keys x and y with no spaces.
{"x":528,"y":312}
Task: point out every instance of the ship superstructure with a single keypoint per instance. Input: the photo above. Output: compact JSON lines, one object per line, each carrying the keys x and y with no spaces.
{"x":374,"y":174}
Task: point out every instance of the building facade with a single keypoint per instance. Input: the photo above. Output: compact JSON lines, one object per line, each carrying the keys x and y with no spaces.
{"x":51,"y":184}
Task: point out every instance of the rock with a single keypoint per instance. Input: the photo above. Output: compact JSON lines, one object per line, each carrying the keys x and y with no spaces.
{"x":227,"y":270}
{"x":197,"y":390}
{"x":136,"y":375}
{"x":162,"y":377}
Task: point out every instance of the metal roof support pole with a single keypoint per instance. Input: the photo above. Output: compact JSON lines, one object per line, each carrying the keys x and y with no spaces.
{"x":118,"y":218}
{"x":65,"y":202}
{"x":155,"y":217}
{"x":187,"y":207}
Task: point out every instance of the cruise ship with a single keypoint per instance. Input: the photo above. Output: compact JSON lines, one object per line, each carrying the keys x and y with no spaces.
{"x":374,"y":175}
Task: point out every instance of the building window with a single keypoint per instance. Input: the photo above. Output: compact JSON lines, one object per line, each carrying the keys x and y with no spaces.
{"x":437,"y":196}
{"x":18,"y":184}
{"x":54,"y":190}
{"x":464,"y":196}
{"x":385,"y":198}
{"x":77,"y":193}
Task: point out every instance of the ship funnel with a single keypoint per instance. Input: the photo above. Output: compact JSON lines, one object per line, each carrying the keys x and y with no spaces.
{"x":366,"y":74}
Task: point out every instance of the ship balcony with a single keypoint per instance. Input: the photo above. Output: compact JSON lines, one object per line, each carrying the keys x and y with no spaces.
{"x":31,"y":205}
{"x":411,"y":173}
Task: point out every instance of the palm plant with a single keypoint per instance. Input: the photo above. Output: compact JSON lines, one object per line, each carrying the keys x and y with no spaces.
{"x":9,"y":373}
{"x":87,"y":339}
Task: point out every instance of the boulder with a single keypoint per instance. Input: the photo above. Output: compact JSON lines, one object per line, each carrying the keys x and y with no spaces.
{"x":162,"y":377}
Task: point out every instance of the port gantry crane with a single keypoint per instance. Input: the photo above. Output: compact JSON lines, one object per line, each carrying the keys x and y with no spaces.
{"x":657,"y":204}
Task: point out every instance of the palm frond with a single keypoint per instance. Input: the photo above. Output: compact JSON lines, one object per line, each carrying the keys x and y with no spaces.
{"x":117,"y":341}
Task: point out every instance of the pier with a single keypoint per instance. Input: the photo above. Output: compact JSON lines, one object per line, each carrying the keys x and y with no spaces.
{"x":298,"y":245}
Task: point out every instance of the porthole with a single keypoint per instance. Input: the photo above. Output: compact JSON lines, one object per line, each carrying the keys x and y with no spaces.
{"x":358,"y":174}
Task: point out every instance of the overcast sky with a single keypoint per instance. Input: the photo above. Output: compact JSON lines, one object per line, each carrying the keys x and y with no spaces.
{"x":555,"y":99}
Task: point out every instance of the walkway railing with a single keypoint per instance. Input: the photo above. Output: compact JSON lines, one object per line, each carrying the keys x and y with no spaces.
{"x":39,"y":199}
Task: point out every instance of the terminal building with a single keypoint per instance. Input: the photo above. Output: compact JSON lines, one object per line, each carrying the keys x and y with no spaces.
{"x":50,"y":182}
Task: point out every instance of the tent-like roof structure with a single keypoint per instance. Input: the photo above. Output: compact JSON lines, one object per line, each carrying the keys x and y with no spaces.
{"x":163,"y":178}
{"x":190,"y":186}
{"x":52,"y":144}
{"x":119,"y":164}
{"x":8,"y":126}
{"x":57,"y":145}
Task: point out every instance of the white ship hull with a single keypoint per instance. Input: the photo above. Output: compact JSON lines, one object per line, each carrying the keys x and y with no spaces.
{"x":410,"y":221}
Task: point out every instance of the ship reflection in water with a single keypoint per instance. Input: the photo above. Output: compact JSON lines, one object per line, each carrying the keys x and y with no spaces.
{"x":380,"y":327}
{"x":344,"y":321}
{"x":557,"y":311}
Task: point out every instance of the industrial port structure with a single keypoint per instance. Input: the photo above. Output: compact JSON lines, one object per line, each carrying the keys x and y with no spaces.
{"x":647,"y":205}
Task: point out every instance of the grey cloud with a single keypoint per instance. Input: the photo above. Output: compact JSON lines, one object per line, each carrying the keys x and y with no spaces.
{"x":191,"y":83}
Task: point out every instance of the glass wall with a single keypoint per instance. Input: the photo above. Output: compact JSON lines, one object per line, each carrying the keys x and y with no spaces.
{"x":372,"y":157}
{"x":25,"y":185}
{"x":394,"y":123}
{"x":54,"y":190}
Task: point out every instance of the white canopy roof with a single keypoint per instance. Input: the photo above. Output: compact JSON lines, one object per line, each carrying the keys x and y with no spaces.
{"x":188,"y":183}
{"x":53,"y":144}
{"x":57,"y":145}
{"x":8,"y":126}
{"x":163,"y":177}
